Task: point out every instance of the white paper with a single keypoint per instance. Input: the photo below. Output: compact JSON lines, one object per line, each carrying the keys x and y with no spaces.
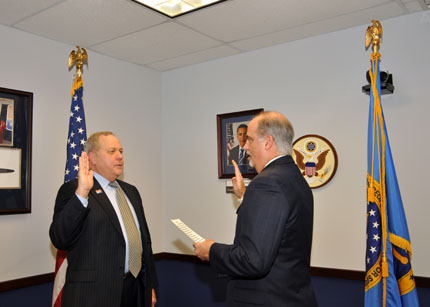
{"x":187,"y":230}
{"x":10,"y":168}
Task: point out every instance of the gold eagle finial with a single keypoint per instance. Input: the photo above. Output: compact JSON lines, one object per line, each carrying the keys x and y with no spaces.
{"x":374,"y":35}
{"x":79,"y":58}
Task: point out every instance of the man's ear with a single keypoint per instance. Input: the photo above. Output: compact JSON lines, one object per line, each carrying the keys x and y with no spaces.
{"x":268,"y":142}
{"x":91,"y":158}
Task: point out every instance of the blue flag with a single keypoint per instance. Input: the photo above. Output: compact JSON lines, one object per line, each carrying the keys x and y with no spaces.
{"x":389,"y":278}
{"x":77,"y":131}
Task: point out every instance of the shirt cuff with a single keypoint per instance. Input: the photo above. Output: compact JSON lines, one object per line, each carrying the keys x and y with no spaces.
{"x":84,"y":201}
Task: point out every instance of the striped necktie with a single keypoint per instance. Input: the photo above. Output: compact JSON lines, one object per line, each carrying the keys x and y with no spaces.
{"x":241,"y":156}
{"x":134,"y":243}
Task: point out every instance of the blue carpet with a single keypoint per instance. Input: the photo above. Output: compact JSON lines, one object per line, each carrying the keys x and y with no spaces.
{"x":185,"y":284}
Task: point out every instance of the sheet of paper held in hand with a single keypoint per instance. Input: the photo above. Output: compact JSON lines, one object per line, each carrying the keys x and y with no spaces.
{"x":187,"y":230}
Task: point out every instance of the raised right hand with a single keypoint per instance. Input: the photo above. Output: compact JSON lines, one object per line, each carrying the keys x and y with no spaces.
{"x":85,"y":176}
{"x":238,"y":183}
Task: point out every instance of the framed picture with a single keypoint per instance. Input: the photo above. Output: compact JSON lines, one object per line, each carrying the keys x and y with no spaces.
{"x":16,"y":116}
{"x":316,"y":157}
{"x":231,"y":131}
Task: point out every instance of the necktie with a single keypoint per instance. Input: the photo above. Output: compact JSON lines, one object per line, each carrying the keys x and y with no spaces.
{"x":134,"y":243}
{"x":241,"y":156}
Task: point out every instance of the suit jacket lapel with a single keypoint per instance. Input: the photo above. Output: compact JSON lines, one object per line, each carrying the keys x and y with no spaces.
{"x":106,"y":205}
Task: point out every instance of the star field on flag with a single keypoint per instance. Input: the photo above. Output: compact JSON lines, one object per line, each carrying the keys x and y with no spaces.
{"x":77,"y":135}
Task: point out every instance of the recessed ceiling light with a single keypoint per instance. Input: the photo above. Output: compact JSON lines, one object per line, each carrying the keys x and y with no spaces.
{"x":175,"y":8}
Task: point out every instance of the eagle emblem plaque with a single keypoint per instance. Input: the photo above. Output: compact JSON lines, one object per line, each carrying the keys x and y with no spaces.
{"x":316,"y":158}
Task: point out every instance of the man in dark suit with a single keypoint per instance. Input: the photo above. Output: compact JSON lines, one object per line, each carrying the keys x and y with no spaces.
{"x":269,"y":262}
{"x":102,"y":227}
{"x":238,"y":153}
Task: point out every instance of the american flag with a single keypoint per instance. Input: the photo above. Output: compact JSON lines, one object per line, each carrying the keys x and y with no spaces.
{"x":76,"y":139}
{"x":77,"y":131}
{"x":230,"y":145}
{"x":230,"y":138}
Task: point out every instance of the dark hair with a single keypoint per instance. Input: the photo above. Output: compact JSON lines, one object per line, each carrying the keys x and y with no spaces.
{"x":242,"y":126}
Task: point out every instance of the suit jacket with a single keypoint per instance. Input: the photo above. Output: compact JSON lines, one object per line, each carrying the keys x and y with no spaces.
{"x":95,"y":247}
{"x":269,"y":262}
{"x":234,"y":155}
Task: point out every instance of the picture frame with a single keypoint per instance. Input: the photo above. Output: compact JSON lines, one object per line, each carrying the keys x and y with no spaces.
{"x":231,"y":127}
{"x":316,"y":158}
{"x":16,"y":120}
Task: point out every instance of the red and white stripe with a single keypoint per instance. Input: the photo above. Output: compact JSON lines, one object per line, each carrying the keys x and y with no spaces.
{"x":60,"y":278}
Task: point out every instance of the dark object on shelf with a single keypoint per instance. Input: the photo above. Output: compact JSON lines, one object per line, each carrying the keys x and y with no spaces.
{"x":387,"y":86}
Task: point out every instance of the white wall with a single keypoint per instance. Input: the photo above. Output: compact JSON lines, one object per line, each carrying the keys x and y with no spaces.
{"x":118,"y":96}
{"x":316,"y":83}
{"x":167,"y":125}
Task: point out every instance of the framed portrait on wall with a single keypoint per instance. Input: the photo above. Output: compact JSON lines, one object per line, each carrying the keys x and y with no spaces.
{"x":232,"y":132}
{"x":16,"y":115}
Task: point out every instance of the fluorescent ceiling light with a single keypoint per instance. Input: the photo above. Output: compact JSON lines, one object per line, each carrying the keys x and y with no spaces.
{"x":174,"y":8}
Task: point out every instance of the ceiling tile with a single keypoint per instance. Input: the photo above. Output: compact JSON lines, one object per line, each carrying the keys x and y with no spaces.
{"x":248,"y":18}
{"x":362,"y":17}
{"x":86,"y":22}
{"x":12,"y":11}
{"x":413,"y":6}
{"x":156,"y":44}
{"x":128,"y":31}
{"x":194,"y":58}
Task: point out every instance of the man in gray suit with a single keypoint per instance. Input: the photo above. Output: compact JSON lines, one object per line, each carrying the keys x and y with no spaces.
{"x":100,"y":222}
{"x":269,"y":262}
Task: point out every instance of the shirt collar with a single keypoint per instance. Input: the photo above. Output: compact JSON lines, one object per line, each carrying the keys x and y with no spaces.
{"x":275,"y":158}
{"x":104,"y":183}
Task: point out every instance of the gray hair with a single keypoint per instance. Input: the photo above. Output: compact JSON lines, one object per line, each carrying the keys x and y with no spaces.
{"x":92,"y":144}
{"x":279,"y":127}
